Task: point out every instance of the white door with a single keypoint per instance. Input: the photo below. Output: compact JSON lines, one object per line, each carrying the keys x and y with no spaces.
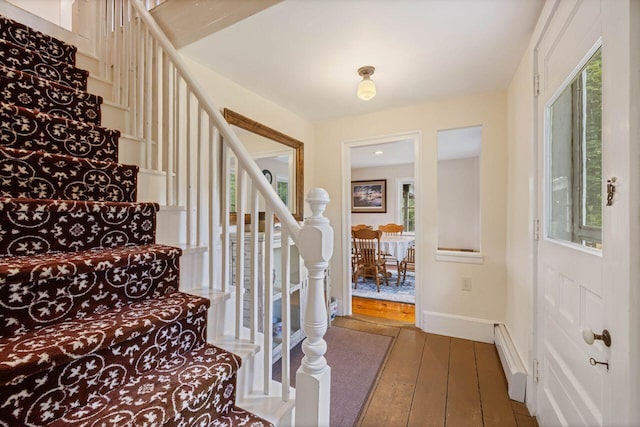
{"x":583,"y":265}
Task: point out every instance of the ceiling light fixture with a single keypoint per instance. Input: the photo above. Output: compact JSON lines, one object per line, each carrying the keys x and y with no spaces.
{"x":366,"y":88}
{"x":377,"y":153}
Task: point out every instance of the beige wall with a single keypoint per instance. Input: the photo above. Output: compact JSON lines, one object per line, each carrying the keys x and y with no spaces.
{"x":441,"y":281}
{"x":459,"y":204}
{"x":391,"y":174}
{"x":227,"y":94}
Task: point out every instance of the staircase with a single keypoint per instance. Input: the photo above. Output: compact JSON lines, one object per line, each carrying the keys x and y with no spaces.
{"x":93,"y":327}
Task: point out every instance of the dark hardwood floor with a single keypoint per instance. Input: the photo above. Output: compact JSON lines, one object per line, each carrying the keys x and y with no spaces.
{"x":433,"y":380}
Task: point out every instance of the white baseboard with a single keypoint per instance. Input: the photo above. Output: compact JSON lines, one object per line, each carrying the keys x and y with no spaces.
{"x":452,"y":325}
{"x":514,"y":369}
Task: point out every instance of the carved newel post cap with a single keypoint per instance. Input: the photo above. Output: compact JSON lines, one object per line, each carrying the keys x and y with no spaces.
{"x":318,"y":198}
{"x":316,"y":235}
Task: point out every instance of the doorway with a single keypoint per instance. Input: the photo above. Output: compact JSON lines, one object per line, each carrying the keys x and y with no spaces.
{"x":584,"y":264}
{"x":386,"y":167}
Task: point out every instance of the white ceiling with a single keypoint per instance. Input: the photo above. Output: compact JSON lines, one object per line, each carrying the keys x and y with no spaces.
{"x":452,"y":144}
{"x":303,"y":54}
{"x":459,"y":143}
{"x":393,"y":153}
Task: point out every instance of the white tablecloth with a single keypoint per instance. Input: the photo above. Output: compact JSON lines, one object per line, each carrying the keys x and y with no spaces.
{"x":397,"y":245}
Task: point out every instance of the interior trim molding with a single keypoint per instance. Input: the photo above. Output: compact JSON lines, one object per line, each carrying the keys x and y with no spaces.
{"x":452,"y":325}
{"x":459,"y":256}
{"x":344,"y":303}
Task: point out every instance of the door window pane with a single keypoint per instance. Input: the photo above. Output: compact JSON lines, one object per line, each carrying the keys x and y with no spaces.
{"x":575,"y":184}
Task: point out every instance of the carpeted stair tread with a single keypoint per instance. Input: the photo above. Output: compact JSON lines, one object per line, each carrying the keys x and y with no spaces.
{"x":17,"y":269}
{"x":27,"y":37}
{"x":31,"y":226}
{"x":38,"y":399}
{"x":193,"y":393}
{"x":238,"y":417}
{"x":42,"y":349}
{"x":31,"y":62}
{"x":34,"y":130}
{"x":33,"y":92}
{"x":79,"y":286}
{"x":39,"y":175}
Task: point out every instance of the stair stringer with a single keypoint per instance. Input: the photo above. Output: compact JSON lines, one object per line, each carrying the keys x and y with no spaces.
{"x":250,"y":385}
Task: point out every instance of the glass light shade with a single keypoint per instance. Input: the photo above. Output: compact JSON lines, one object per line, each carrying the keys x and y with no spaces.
{"x":366,"y":89}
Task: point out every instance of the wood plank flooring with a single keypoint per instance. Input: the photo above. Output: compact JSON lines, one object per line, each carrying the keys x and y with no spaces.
{"x":433,"y":380}
{"x":384,"y":309}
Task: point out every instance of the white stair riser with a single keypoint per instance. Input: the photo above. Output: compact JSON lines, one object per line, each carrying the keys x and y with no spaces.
{"x":114,"y":117}
{"x":170,"y":230}
{"x":191,"y":266}
{"x":215,"y":320}
{"x":88,"y":62}
{"x":98,"y":86}
{"x":151,"y":186}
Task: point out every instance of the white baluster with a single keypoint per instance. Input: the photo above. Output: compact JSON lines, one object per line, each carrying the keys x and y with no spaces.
{"x":255,"y":274}
{"x":285,"y":284}
{"x":199,"y":178}
{"x":225,"y":192}
{"x":177,"y":121}
{"x":187,"y":169}
{"x":240,"y":198}
{"x":313,"y":378}
{"x":171,"y":72}
{"x":213,"y":213}
{"x":139,"y":106}
{"x":148,"y":99}
{"x":268,"y":298}
{"x":159,"y":106}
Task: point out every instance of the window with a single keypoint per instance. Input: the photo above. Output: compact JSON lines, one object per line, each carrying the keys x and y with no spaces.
{"x":459,"y":154}
{"x":407,"y":205}
{"x":575,"y":161}
{"x":282,"y":187}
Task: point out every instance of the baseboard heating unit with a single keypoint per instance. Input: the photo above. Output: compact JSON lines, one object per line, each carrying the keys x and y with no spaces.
{"x":514,"y":369}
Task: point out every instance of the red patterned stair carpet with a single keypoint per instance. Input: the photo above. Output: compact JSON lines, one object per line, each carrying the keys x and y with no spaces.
{"x":93,"y":328}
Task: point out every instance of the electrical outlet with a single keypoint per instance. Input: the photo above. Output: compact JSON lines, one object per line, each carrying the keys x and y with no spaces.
{"x":466,"y":283}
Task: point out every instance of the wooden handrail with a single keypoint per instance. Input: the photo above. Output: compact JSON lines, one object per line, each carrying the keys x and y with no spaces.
{"x":212,"y":110}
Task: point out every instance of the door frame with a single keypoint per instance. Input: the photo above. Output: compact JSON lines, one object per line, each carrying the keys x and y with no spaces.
{"x":347,"y":145}
{"x":622,"y":403}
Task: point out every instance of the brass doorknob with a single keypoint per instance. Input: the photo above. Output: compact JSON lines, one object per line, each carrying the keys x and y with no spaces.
{"x":589,"y":337}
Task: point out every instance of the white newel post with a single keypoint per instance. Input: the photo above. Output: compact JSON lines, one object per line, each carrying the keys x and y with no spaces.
{"x":313,"y":378}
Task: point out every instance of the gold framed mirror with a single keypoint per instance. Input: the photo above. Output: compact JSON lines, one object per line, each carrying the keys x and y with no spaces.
{"x":258,"y":139}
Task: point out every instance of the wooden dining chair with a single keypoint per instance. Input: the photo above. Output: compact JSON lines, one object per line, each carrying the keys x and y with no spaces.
{"x":361,"y":227}
{"x":369,"y":261}
{"x":408,"y":262}
{"x":392,"y":230}
{"x":353,"y":249}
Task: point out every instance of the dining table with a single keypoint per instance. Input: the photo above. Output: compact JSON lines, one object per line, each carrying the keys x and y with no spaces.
{"x":396,"y":246}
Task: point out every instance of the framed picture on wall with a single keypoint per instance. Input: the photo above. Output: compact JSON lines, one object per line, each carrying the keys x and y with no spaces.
{"x":369,"y":196}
